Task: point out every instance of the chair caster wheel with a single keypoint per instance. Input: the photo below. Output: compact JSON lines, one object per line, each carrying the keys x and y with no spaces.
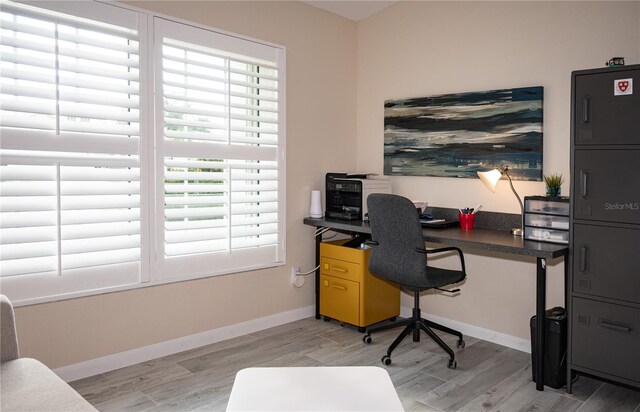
{"x":386,"y":360}
{"x":452,"y":364}
{"x":366,"y":339}
{"x":461,"y":343}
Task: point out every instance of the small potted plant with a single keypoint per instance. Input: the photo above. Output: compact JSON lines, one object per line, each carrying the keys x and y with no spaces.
{"x":553,"y":183}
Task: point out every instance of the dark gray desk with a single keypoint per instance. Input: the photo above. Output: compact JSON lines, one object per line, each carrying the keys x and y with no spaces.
{"x":500,"y":241}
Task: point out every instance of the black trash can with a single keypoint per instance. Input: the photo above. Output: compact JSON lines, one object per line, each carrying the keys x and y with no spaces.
{"x":555,"y":353}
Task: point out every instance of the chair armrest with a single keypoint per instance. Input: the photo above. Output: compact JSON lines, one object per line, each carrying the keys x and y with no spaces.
{"x":446,"y":249}
{"x":8,"y":337}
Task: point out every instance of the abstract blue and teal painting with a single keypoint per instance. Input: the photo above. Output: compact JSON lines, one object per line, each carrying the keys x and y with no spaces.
{"x":456,"y":135}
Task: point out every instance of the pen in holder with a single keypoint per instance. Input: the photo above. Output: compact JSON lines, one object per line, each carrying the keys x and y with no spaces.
{"x":466,"y":220}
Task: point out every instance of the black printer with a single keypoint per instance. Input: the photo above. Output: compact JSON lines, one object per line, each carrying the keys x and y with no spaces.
{"x":346,"y":194}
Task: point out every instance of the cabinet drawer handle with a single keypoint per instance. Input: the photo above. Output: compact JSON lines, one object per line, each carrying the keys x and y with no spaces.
{"x":340,"y":287}
{"x":584,"y":183}
{"x":613,"y":326}
{"x":586,"y":109}
{"x":339,"y":269}
{"x":584,"y":258}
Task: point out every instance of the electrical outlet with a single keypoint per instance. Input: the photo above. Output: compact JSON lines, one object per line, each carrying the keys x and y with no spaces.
{"x":296,"y":280}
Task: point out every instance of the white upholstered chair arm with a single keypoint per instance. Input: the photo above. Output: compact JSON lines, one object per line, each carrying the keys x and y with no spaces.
{"x":8,"y":337}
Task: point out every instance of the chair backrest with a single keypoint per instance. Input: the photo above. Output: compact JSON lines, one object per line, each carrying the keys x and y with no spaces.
{"x":395,"y":226}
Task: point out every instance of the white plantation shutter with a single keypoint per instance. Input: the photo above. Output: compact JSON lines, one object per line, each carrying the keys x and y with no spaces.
{"x":79,"y":166}
{"x":70,"y":161}
{"x":222,"y":193}
{"x":63,"y":75}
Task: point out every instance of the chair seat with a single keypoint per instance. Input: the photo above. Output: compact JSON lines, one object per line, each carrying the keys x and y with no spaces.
{"x":29,"y":385}
{"x":442,"y":277}
{"x":438,"y":277}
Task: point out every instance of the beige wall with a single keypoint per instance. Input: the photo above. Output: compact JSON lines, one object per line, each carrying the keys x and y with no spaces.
{"x":415,"y":49}
{"x":321,"y":93}
{"x":410,"y":49}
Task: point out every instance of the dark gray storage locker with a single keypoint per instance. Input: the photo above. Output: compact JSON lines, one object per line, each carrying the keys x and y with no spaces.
{"x":601,"y":115}
{"x":609,"y":339}
{"x":606,"y":262}
{"x":607,"y":184}
{"x":604,"y":291}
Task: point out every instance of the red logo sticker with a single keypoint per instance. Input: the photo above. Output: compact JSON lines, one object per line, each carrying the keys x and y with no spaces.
{"x":623,"y":85}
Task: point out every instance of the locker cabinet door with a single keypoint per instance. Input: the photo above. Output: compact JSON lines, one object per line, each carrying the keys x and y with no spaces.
{"x":606,"y":261}
{"x":606,"y":338}
{"x":606,"y":185}
{"x":601,"y":116}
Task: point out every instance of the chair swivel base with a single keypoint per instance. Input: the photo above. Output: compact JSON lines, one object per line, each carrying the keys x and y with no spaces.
{"x":413,"y":326}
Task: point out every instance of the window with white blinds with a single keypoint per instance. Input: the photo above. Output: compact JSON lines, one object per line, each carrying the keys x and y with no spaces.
{"x":78,"y":119}
{"x":222,"y":187}
{"x":70,"y":206}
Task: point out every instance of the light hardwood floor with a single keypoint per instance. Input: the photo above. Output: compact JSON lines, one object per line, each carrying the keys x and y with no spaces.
{"x":489,"y":377}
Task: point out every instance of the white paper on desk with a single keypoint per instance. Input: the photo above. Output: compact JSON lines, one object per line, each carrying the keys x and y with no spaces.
{"x":432,"y":221}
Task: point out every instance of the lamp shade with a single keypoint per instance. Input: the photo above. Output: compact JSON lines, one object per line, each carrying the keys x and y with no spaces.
{"x":490,"y":178}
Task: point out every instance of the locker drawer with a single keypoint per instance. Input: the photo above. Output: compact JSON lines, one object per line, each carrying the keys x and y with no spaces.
{"x":340,"y":299}
{"x":601,"y":116}
{"x":341,"y":269}
{"x":605,"y":337}
{"x":606,"y":261}
{"x":606,"y":193}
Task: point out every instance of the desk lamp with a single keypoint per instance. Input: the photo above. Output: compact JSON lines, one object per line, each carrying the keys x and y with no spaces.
{"x":490,"y":180}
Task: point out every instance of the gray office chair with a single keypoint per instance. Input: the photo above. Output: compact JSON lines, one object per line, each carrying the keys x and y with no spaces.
{"x":399,"y":255}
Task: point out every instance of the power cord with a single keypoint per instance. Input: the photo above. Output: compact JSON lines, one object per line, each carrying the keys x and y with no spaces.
{"x":319,"y":231}
{"x":309,"y":272}
{"x":297,"y":277}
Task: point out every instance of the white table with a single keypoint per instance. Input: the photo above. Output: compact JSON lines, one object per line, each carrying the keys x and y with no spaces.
{"x":350,"y":388}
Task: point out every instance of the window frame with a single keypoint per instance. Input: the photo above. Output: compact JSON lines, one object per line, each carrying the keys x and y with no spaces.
{"x":151,"y":177}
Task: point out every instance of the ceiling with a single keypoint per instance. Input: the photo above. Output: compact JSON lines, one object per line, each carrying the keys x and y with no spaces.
{"x":355,"y":10}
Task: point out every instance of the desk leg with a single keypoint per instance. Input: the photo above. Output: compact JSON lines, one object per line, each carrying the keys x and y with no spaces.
{"x":541,"y":286}
{"x":318,"y":241}
{"x":567,"y":286}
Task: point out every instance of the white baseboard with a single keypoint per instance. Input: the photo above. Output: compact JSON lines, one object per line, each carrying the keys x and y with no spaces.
{"x":131,"y":357}
{"x":499,"y":338}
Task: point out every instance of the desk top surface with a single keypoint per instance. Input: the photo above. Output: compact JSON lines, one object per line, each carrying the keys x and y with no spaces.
{"x":486,"y":239}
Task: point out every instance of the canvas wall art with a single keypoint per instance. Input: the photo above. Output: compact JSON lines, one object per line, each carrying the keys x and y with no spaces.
{"x":456,"y":135}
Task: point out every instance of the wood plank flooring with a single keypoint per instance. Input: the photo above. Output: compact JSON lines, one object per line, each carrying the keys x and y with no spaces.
{"x":489,"y":377}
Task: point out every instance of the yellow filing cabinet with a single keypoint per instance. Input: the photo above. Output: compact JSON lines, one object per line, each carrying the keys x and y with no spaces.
{"x":348,"y":292}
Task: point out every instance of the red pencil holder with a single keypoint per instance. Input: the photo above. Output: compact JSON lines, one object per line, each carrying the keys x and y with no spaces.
{"x":466,"y":220}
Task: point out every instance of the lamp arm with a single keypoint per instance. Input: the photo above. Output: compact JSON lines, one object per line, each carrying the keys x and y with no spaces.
{"x":519,"y":201}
